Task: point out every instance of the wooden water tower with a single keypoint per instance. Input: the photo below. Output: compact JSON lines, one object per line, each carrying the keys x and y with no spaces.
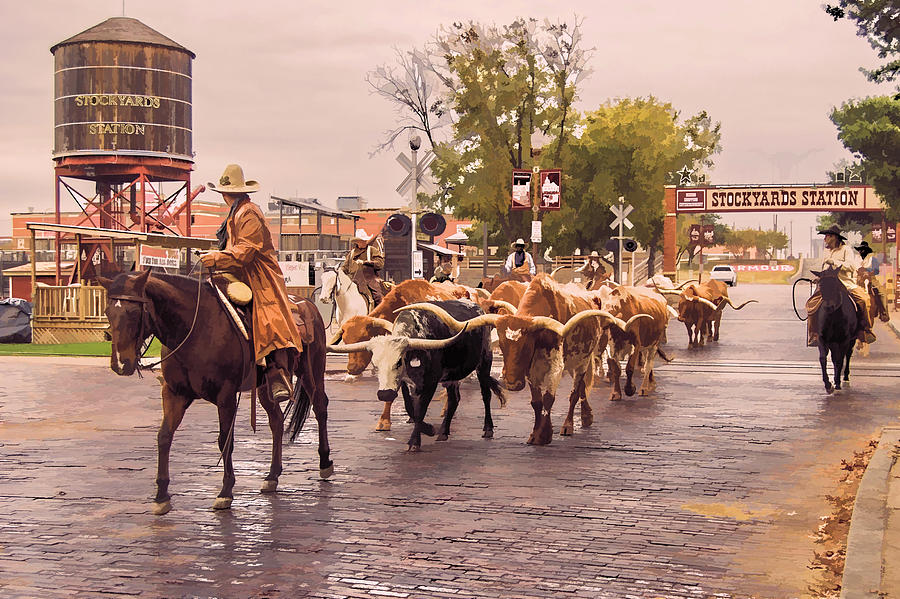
{"x":123,"y":124}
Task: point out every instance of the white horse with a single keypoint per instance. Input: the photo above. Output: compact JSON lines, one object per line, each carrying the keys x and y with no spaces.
{"x":339,"y":289}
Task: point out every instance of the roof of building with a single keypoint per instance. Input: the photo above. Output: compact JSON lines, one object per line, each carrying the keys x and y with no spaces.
{"x":315,"y":206}
{"x":43,"y":269}
{"x":125,"y":30}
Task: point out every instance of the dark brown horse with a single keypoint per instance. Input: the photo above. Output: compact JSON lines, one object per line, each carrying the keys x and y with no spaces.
{"x":205,"y":356}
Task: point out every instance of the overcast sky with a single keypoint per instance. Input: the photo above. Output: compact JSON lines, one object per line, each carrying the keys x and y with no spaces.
{"x":279,"y":86}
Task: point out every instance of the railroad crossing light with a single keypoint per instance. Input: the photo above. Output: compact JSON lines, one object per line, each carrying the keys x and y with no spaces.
{"x":398,"y":225}
{"x":629,"y":245}
{"x":432,"y":223}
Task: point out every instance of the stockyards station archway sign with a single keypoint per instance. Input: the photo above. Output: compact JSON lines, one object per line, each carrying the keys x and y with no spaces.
{"x":723,"y":199}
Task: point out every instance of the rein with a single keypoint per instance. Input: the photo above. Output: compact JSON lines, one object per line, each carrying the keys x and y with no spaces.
{"x":143,"y":300}
{"x":794,"y":296}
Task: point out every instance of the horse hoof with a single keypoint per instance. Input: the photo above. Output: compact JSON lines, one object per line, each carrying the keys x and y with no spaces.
{"x":488,"y":434}
{"x":829,"y":389}
{"x":326,"y":472}
{"x":159,"y":509}
{"x":413,"y":449}
{"x":566,"y":430}
{"x":383,"y":425}
{"x":269,"y":486}
{"x":441,"y":437}
{"x":222,"y":503}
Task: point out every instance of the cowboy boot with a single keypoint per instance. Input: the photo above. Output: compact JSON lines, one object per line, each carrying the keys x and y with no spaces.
{"x":278,"y":375}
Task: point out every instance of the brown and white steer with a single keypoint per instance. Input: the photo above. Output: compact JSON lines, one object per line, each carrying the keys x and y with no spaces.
{"x":640,"y":344}
{"x":700,"y":307}
{"x":544,"y":339}
{"x":379,"y":321}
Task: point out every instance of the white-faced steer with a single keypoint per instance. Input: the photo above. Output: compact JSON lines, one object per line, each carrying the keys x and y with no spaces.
{"x":423,"y":351}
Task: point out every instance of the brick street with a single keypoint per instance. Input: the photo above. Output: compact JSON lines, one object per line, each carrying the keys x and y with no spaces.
{"x":709,"y":487}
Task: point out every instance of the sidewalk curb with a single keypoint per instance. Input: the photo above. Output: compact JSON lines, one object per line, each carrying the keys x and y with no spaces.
{"x":865,"y":541}
{"x":890,"y":324}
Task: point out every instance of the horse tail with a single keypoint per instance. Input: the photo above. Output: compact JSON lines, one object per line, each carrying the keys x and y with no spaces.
{"x":299,"y":411}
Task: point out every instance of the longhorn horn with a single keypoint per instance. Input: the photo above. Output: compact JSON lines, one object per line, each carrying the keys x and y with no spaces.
{"x":504,"y":304}
{"x":429,"y":344}
{"x":337,"y":338}
{"x":546,"y":322}
{"x":668,"y":291}
{"x":728,"y":301}
{"x":383,"y":323}
{"x":686,"y":282}
{"x":557,"y":269}
{"x":455,"y":325}
{"x":606,"y":319}
{"x":705,"y":301}
{"x":350,"y":347}
{"x":633,"y":320}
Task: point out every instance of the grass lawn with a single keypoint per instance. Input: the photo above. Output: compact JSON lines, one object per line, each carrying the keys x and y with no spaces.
{"x":97,"y":348}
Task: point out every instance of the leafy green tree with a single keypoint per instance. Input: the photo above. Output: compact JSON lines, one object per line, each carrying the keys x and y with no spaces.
{"x":738,"y":241}
{"x":871,"y":127}
{"x":509,"y":84}
{"x":877,"y":21}
{"x":721,"y":233}
{"x":627,"y":148}
{"x":768,"y":242}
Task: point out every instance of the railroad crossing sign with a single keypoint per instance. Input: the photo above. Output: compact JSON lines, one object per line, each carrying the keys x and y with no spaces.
{"x":424,"y":182}
{"x":621,"y":211}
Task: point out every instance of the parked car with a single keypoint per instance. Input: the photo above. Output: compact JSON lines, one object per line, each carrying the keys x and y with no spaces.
{"x":724,"y":273}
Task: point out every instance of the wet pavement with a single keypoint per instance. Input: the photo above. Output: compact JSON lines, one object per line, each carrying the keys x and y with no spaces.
{"x":710,"y":487}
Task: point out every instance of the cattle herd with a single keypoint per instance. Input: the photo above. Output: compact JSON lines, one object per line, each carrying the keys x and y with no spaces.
{"x":423,"y":335}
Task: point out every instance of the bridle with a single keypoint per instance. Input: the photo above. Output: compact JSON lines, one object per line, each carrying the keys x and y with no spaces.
{"x":146,"y":315}
{"x":335,"y":289}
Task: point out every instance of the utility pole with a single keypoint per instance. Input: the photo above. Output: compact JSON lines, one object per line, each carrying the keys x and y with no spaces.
{"x":414,"y":143}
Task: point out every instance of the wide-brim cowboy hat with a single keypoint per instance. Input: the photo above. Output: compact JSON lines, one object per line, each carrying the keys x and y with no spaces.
{"x":833,"y":230}
{"x":232,"y":181}
{"x":519,"y":241}
{"x":864,"y":249}
{"x":361,"y":235}
{"x":594,"y":254}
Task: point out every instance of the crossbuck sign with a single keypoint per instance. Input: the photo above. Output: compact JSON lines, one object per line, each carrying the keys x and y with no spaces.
{"x":621,"y":212}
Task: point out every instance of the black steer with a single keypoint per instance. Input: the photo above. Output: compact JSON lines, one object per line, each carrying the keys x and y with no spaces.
{"x":422,"y":352}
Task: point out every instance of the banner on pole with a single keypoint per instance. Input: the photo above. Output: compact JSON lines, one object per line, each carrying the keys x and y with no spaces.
{"x":521,"y":190}
{"x":551,"y":182}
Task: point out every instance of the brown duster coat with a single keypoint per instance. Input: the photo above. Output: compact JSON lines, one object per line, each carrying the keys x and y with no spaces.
{"x":250,"y":256}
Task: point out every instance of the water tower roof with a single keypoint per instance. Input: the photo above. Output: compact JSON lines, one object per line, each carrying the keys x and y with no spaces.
{"x":125,"y":30}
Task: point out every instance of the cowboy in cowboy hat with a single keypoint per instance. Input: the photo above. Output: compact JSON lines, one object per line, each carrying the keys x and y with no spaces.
{"x":520,"y":261}
{"x":839,"y":255}
{"x":246,"y":252}
{"x":866,"y":277}
{"x":363,"y":261}
{"x":592,"y":269}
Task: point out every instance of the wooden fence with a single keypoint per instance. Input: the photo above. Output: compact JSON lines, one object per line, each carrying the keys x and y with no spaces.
{"x":74,"y":314}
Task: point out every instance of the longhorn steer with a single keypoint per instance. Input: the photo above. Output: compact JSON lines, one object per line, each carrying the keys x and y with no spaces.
{"x":700,"y":307}
{"x":421,"y":352}
{"x":378,"y":322}
{"x":640,"y":344}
